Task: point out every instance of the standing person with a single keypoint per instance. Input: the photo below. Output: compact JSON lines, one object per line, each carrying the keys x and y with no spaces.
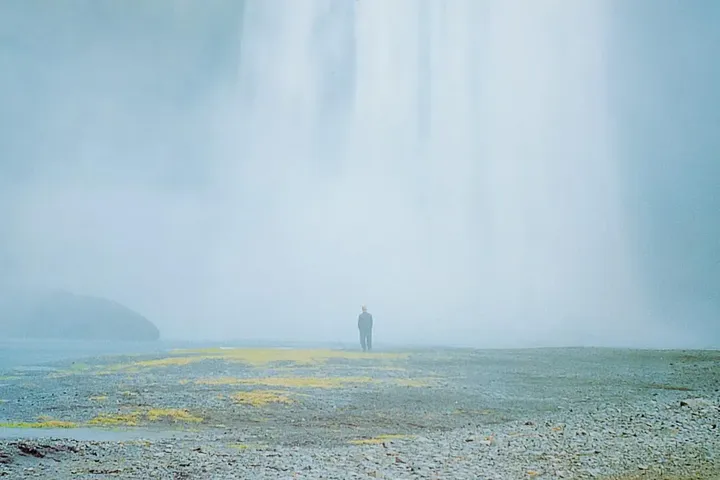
{"x":365,"y":324}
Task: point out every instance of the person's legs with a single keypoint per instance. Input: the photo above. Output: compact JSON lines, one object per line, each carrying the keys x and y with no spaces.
{"x":369,"y":339}
{"x":362,"y":340}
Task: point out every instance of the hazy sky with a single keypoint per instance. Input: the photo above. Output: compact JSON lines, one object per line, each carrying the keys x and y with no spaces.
{"x":477,"y":172}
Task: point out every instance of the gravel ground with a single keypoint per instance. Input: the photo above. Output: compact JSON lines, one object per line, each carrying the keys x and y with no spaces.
{"x":446,"y":414}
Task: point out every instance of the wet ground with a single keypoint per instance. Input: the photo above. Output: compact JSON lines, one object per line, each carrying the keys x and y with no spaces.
{"x":322,"y":399}
{"x":86,"y":434}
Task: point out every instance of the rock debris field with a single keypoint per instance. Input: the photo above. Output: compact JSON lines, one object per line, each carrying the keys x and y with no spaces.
{"x":231,"y":413}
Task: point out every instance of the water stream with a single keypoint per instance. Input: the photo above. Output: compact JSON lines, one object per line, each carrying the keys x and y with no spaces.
{"x":470,"y":139}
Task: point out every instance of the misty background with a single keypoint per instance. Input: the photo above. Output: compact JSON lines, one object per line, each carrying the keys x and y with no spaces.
{"x":477,"y":172}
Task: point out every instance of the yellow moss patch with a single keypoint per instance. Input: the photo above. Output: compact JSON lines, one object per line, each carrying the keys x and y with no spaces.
{"x":51,"y":424}
{"x":75,"y":368}
{"x":254,"y":356}
{"x":166,"y":362}
{"x":143,"y":364}
{"x":43,"y":422}
{"x":290,"y":382}
{"x":264,"y":356}
{"x":311,"y":382}
{"x":131,"y":419}
{"x":260,"y":398}
{"x":57,"y":424}
{"x":115,"y":420}
{"x":379,"y":439}
{"x":307,"y":382}
{"x":172,"y":414}
{"x":250,"y":356}
{"x":136,"y":367}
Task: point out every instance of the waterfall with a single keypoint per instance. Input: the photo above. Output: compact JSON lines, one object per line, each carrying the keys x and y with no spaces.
{"x":460,"y":151}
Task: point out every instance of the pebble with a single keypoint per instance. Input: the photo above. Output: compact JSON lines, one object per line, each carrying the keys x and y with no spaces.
{"x":592,"y":436}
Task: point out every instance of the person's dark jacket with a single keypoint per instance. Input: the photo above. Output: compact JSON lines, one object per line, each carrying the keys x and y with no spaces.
{"x":365,"y":321}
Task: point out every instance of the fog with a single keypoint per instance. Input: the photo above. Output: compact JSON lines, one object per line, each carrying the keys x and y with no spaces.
{"x":477,"y":173}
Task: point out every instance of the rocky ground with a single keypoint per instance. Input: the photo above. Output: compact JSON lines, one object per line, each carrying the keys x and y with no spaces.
{"x":446,"y":414}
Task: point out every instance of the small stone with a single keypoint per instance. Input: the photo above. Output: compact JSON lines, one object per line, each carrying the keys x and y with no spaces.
{"x":696,"y":403}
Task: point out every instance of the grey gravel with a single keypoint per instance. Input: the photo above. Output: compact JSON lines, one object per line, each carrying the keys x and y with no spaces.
{"x":549,"y":413}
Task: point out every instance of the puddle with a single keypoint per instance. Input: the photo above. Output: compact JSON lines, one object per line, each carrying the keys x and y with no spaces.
{"x":87,"y":434}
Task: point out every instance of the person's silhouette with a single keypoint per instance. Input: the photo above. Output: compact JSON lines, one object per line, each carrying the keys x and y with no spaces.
{"x":365,"y":325}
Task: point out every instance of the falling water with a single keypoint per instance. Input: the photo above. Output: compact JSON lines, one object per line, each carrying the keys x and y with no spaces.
{"x":459,"y":150}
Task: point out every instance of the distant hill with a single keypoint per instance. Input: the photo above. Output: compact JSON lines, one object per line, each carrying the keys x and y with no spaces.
{"x":62,"y":315}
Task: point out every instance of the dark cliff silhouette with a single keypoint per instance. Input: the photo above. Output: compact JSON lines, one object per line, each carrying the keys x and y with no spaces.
{"x":62,"y":315}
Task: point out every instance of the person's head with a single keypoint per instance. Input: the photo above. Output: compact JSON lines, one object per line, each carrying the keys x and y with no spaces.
{"x":364,"y":308}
